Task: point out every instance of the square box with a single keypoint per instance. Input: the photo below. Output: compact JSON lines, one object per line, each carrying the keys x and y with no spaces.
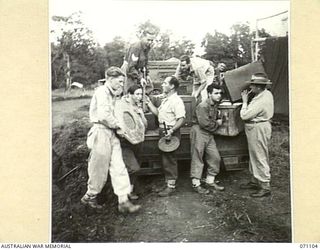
{"x":232,"y":124}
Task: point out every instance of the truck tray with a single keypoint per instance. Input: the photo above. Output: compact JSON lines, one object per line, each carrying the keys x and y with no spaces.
{"x":233,"y":151}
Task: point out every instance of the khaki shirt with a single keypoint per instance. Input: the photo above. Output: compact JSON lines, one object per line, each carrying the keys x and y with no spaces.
{"x":206,"y":115}
{"x":102,"y":107}
{"x":137,"y":59}
{"x":261,"y":108}
{"x":201,"y":68}
{"x":171,"y":109}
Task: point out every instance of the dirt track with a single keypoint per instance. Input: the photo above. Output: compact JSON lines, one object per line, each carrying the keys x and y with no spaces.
{"x":229,"y":216}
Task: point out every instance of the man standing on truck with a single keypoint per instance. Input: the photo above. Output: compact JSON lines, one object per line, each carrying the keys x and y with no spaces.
{"x":201,"y":69}
{"x":172,"y":113}
{"x":135,"y":63}
{"x":105,"y":147}
{"x":257,"y":115}
{"x":203,"y":146}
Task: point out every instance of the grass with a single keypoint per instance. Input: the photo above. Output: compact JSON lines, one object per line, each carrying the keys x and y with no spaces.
{"x":62,"y":95}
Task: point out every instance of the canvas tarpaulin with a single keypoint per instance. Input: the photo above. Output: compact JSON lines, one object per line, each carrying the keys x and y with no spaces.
{"x":235,"y":80}
{"x":276,"y":66}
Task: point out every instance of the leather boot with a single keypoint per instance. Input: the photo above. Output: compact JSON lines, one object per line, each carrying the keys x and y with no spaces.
{"x":128,"y":207}
{"x":91,"y":202}
{"x":201,"y":190}
{"x":215,"y":186}
{"x":249,"y":185}
{"x":133,"y":196}
{"x":166,"y":192}
{"x":261,"y":193}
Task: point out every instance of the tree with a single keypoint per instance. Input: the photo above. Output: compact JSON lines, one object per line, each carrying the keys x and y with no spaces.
{"x":115,"y":52}
{"x":217,"y":47}
{"x":161,"y":49}
{"x":57,"y":67}
{"x":147,"y":26}
{"x":182,"y":47}
{"x":240,"y":42}
{"x":72,"y":52}
{"x":165,"y":48}
{"x":233,"y":50}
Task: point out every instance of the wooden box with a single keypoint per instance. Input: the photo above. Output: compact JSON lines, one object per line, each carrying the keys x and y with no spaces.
{"x":232,"y":124}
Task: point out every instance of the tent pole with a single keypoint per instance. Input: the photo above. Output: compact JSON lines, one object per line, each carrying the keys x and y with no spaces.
{"x":257,"y":44}
{"x":252,"y":51}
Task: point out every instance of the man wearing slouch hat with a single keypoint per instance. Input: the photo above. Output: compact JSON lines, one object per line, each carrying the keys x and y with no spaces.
{"x":256,"y":116}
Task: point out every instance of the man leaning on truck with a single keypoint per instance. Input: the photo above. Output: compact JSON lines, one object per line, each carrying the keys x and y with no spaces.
{"x":172,"y":113}
{"x":203,"y":71}
{"x":257,"y":115}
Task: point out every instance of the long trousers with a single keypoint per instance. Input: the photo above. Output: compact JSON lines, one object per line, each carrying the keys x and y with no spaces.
{"x":203,"y":150}
{"x":259,"y":136}
{"x":105,"y":156}
{"x":169,"y":161}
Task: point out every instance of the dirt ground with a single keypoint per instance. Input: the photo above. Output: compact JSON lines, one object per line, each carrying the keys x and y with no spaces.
{"x":229,"y":216}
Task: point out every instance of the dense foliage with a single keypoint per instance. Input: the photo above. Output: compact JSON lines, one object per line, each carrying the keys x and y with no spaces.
{"x":76,"y":57}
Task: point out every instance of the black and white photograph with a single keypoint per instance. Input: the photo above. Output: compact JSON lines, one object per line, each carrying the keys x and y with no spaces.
{"x":170,"y":121}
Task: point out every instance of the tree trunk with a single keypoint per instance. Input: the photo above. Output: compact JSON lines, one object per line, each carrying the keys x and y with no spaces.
{"x":68,"y":75}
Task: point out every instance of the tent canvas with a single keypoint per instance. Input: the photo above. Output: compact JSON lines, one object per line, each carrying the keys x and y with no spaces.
{"x":275,"y":63}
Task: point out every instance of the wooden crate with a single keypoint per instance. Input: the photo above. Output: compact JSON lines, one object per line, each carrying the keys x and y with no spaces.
{"x":159,"y":70}
{"x":233,"y":124}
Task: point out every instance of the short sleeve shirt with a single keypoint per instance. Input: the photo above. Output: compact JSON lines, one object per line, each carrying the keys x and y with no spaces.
{"x":202,"y":69}
{"x":171,"y":109}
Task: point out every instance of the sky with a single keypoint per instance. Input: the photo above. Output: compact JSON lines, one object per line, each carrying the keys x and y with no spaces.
{"x":185,"y":19}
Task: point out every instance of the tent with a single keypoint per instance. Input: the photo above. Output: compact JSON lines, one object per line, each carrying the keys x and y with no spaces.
{"x":275,"y":63}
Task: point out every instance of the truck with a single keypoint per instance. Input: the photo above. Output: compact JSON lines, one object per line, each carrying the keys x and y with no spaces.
{"x":230,"y":137}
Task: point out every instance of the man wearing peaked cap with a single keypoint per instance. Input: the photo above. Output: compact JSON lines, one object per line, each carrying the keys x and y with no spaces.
{"x":257,"y":115}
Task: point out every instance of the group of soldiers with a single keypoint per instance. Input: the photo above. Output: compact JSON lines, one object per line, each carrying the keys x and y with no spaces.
{"x":112,"y":154}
